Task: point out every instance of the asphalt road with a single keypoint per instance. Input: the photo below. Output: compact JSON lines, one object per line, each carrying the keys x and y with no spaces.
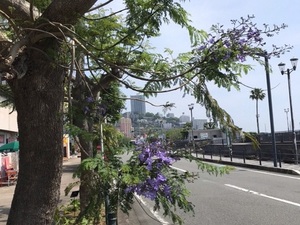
{"x":244,"y":197}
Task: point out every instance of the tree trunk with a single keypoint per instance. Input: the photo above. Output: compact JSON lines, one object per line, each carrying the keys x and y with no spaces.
{"x":257,"y":117}
{"x":85,"y":178}
{"x":79,"y":93}
{"x":39,"y":103}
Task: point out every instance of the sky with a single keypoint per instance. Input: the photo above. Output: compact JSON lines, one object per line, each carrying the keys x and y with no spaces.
{"x":204,"y":14}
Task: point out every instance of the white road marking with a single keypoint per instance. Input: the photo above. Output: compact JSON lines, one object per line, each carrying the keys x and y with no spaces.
{"x":176,"y":168}
{"x":263,"y":195}
{"x":155,"y":213}
{"x":273,"y":174}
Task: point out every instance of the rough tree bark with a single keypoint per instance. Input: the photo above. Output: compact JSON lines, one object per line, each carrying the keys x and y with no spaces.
{"x":39,"y":100}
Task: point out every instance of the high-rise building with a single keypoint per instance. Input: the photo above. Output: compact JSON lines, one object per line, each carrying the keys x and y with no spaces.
{"x":138,"y":105}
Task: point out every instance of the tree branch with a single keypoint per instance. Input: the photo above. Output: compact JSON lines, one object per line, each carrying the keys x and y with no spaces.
{"x":67,"y":11}
{"x":18,"y":10}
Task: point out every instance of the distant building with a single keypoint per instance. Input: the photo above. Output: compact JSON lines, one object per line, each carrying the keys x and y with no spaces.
{"x":8,"y":133}
{"x":138,"y":105}
{"x":198,"y":124}
{"x":126,"y":114}
{"x":184,"y":118}
{"x":167,"y":126}
{"x":126,"y":127}
{"x":170,"y":115}
{"x":8,"y":125}
{"x":212,"y":134}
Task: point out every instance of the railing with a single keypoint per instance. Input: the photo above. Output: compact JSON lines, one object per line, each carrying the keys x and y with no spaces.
{"x":244,"y":151}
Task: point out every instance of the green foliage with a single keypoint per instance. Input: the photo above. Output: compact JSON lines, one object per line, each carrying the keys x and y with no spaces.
{"x":103,"y":173}
{"x":209,"y":125}
{"x":76,"y":131}
{"x":66,"y":214}
{"x":113,"y":139}
{"x":148,"y":114}
{"x":41,"y":4}
{"x":155,"y":12}
{"x":114,"y":102}
{"x":257,"y":94}
{"x":179,"y":195}
{"x":211,"y":169}
{"x":174,"y":134}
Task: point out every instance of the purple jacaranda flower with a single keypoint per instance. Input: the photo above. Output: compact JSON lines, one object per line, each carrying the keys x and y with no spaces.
{"x":242,"y":41}
{"x":149,"y":163}
{"x":129,"y":189}
{"x":90,"y":99}
{"x":201,"y":48}
{"x":242,"y":58}
{"x":227,"y":43}
{"x":212,"y":40}
{"x":161,"y":178}
{"x":167,"y":190}
{"x":154,"y":158}
{"x":150,"y":194}
{"x":258,"y":39}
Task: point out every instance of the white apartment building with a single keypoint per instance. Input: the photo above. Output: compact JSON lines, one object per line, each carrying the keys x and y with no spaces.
{"x":8,"y":125}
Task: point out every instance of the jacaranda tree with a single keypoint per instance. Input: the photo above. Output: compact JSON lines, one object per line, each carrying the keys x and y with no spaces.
{"x":38,"y":45}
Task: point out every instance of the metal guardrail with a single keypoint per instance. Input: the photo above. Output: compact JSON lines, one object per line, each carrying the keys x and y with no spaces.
{"x":244,"y":151}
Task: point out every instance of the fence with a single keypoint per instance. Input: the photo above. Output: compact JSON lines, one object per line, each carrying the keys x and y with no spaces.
{"x":285,"y":151}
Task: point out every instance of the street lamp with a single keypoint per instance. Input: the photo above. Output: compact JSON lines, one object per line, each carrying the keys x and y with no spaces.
{"x":191,"y":107}
{"x":287,"y":119}
{"x":288,"y":72}
{"x":161,"y":130}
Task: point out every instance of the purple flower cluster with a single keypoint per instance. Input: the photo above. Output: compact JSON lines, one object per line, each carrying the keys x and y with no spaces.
{"x":152,"y":187}
{"x":154,"y":157}
{"x":243,"y":40}
{"x":94,"y":107}
{"x":90,"y":99}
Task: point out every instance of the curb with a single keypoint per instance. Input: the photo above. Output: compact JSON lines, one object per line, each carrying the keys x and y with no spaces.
{"x":251,"y":166}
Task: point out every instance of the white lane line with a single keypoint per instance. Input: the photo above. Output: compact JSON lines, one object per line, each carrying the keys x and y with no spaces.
{"x":263,"y":195}
{"x":155,"y":213}
{"x":176,"y":168}
{"x":273,"y":174}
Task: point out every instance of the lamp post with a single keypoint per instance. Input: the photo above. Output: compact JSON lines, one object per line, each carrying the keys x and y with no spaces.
{"x":287,"y":119}
{"x":161,"y":130}
{"x":191,"y":107}
{"x":267,"y":69}
{"x":288,"y":72}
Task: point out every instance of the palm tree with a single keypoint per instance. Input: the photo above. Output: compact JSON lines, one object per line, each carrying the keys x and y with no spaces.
{"x":257,"y":94}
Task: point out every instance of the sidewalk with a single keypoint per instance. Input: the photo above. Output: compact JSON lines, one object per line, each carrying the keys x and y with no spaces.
{"x":7,"y":192}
